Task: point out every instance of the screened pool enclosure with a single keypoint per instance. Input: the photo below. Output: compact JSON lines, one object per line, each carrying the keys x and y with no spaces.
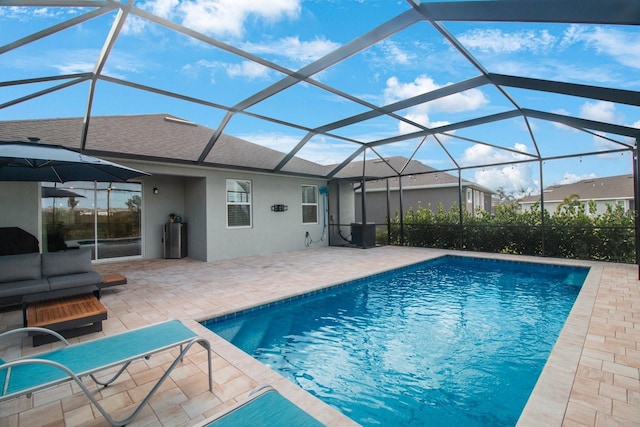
{"x":513,"y":96}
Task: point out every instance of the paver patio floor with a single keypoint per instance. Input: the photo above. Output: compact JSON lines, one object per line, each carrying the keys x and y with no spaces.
{"x":592,"y":377}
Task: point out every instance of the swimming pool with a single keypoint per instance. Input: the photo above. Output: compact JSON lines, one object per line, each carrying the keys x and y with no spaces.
{"x":452,"y":341}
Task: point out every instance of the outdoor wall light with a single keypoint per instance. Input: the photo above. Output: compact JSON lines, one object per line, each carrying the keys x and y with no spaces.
{"x":155,"y":190}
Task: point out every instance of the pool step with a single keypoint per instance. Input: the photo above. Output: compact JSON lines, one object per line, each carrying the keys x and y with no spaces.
{"x":251,"y":334}
{"x":279,"y":328}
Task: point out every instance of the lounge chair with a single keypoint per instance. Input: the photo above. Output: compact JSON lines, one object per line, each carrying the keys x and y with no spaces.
{"x":72,"y":362}
{"x":264,"y":408}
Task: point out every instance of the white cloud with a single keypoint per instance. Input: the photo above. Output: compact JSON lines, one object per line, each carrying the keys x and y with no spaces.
{"x":75,"y":61}
{"x":623,"y":46}
{"x":602,"y":111}
{"x":394,"y":54}
{"x":222,"y":17}
{"x":463,"y":101}
{"x":25,"y":14}
{"x":468,"y":100}
{"x":570,"y":178}
{"x":134,"y":25}
{"x":294,"y":49}
{"x":72,"y":66}
{"x":484,"y":154}
{"x":245,"y":69}
{"x":512,"y":178}
{"x":498,"y":41}
{"x":318,"y":149}
{"x":162,"y":8}
{"x":420,"y":117}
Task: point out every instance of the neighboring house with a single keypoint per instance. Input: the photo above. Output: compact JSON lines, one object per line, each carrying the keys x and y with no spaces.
{"x":612,"y":190}
{"x":424,"y":188}
{"x":234,"y":203}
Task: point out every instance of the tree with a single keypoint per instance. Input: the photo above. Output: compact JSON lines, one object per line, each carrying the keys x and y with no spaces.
{"x":134,"y":204}
{"x":569,"y":203}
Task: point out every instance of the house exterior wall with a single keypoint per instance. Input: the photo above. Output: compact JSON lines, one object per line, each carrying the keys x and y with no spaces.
{"x":476,"y":200}
{"x":601,"y":205}
{"x":199,"y":196}
{"x":376,"y":201}
{"x":271,"y":231}
{"x":195,"y":193}
{"x":341,"y":212}
{"x":20,"y":203}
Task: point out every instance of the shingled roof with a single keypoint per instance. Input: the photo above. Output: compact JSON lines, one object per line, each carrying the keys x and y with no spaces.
{"x":607,"y":188}
{"x":170,"y":139}
{"x":415,"y":175}
{"x":156,"y":137}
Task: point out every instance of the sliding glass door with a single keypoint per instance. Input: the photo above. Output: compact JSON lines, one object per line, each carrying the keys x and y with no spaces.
{"x":106,"y":217}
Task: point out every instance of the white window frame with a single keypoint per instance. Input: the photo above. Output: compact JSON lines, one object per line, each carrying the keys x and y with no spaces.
{"x":306,"y":204}
{"x":248,"y":202}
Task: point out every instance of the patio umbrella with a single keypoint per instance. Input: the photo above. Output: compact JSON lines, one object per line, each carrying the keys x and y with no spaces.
{"x":28,"y":161}
{"x":49,"y":192}
{"x":57,"y":193}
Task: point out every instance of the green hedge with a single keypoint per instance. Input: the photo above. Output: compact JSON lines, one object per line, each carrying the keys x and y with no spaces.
{"x":575,"y":232}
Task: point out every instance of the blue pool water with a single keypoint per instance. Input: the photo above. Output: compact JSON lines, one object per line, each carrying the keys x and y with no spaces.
{"x":454,"y":341}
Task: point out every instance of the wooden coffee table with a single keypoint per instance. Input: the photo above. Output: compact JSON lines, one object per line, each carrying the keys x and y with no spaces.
{"x":112,"y":279}
{"x":71,"y":316}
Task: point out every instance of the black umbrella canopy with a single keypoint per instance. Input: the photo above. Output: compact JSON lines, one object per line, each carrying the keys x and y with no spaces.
{"x":53,"y":192}
{"x":28,"y":161}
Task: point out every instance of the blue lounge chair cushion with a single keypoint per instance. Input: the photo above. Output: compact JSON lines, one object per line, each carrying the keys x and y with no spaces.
{"x":92,"y":356}
{"x":269,"y":409}
{"x":70,"y":363}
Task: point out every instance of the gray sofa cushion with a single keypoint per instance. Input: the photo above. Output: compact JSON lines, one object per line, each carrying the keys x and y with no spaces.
{"x":20,"y":267}
{"x":23,"y":287}
{"x":66,"y":262}
{"x":74,"y":280}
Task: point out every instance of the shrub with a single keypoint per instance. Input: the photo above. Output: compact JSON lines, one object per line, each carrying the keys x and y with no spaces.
{"x":573,"y":231}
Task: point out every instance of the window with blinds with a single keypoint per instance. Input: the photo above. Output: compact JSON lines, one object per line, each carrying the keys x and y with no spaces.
{"x":309,"y":204}
{"x":238,"y":203}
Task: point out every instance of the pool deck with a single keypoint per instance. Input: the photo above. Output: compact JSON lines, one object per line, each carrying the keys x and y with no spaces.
{"x":592,"y":377}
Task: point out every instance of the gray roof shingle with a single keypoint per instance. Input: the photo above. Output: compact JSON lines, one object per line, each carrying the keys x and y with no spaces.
{"x":154,"y":136}
{"x":607,"y":188}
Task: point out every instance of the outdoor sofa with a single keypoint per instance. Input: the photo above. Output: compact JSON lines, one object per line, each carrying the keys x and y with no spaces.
{"x":52,"y":272}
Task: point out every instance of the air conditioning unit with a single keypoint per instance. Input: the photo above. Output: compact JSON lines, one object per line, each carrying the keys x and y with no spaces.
{"x":363,"y":235}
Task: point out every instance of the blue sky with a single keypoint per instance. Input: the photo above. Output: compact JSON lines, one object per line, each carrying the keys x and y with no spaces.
{"x":294,"y":33}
